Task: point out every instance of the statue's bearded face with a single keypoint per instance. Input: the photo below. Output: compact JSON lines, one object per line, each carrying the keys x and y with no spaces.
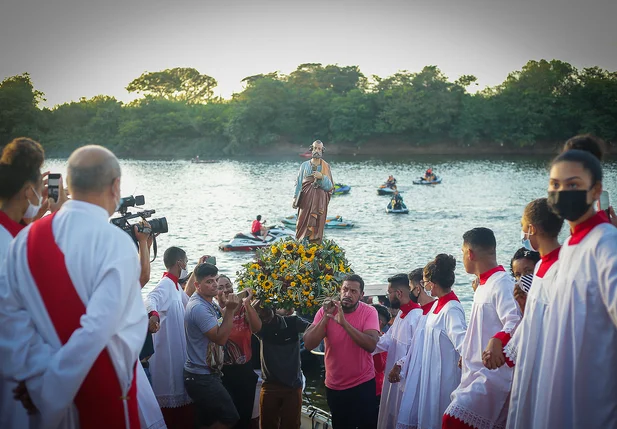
{"x":317,"y":150}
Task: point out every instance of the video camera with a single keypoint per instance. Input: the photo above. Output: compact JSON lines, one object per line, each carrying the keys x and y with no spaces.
{"x":157,"y":226}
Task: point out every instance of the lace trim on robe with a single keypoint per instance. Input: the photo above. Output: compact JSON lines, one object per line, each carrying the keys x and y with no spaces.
{"x":173,"y":401}
{"x":511,"y":353}
{"x":470,"y":418}
{"x":404,"y":426}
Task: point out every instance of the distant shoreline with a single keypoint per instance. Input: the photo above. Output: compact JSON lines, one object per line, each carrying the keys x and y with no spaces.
{"x":373,"y":149}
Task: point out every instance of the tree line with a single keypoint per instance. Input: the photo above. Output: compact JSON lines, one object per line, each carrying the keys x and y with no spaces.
{"x":177,"y":115}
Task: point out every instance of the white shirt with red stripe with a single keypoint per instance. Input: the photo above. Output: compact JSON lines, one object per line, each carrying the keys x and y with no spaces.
{"x":526,"y":343}
{"x":12,"y":414}
{"x":577,"y":373}
{"x":480,"y":400}
{"x":168,"y":300}
{"x":439,"y":375}
{"x":396,"y":343}
{"x":103,"y":266}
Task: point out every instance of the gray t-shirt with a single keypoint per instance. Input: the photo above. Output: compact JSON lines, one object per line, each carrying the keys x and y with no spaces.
{"x":199,"y":318}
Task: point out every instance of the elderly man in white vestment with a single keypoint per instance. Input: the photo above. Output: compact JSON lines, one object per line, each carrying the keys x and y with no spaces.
{"x":72,"y":310}
{"x":396,"y":343}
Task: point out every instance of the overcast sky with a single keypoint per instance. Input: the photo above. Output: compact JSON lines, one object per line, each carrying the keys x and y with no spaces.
{"x":79,"y":48}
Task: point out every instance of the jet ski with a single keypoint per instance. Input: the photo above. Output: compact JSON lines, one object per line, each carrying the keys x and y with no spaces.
{"x":402,"y":210}
{"x":384,"y":190}
{"x":421,"y":181}
{"x":340,"y":189}
{"x":332,"y":222}
{"x":248,"y":242}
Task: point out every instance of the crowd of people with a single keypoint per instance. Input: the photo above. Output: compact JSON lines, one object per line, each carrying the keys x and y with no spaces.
{"x":80,"y":347}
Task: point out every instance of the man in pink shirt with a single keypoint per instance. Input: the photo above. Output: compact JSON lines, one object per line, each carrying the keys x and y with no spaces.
{"x":351,"y":331}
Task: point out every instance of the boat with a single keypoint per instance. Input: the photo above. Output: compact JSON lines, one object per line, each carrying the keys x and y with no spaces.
{"x":340,"y":189}
{"x":202,"y":161}
{"x":314,"y":418}
{"x":384,"y":190}
{"x":402,"y":210}
{"x":421,"y":181}
{"x":248,"y":242}
{"x":332,"y":222}
{"x":307,"y":154}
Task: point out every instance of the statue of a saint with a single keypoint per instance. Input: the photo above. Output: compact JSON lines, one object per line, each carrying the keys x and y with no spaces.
{"x":314,"y":188}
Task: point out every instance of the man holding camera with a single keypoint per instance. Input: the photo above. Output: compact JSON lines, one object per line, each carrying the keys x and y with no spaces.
{"x":72,"y":307}
{"x":165,"y":305}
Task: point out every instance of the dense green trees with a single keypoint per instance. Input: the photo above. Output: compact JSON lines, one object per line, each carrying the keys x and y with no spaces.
{"x":543,"y":103}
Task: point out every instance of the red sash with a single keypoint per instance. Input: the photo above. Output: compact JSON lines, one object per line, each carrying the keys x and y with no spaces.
{"x":99,"y":400}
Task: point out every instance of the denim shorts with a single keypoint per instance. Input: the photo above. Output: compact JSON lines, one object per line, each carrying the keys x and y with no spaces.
{"x":212,"y":401}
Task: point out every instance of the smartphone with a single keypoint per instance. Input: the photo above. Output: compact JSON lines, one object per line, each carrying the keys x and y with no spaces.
{"x":53,"y":186}
{"x":243,"y":293}
{"x":211,"y":260}
{"x":605,"y":202}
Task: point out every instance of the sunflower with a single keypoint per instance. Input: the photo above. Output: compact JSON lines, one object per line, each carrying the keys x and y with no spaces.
{"x":261,"y":277}
{"x":290,"y":247}
{"x":267,"y":285}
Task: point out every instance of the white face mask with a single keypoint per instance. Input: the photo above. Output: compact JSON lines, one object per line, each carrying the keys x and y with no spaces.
{"x":33,"y":210}
{"x":526,"y":242}
{"x":184,"y":272}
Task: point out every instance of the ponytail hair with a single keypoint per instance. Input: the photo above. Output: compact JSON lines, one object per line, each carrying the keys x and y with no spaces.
{"x":441,"y":270}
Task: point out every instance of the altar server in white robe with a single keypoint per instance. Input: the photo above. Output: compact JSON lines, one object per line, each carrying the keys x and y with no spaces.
{"x":577,"y":372}
{"x":407,"y":370}
{"x":396,"y":343}
{"x":71,"y":307}
{"x":480,"y":400}
{"x":165,"y":305}
{"x":540,"y":231}
{"x":21,"y":194}
{"x":444,"y":331}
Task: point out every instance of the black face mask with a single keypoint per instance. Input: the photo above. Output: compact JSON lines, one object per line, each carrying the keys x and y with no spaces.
{"x":569,"y":205}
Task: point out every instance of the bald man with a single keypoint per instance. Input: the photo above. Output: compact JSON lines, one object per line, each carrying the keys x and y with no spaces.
{"x":72,"y":319}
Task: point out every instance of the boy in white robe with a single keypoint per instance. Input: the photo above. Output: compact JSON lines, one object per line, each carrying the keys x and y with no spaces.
{"x":407,"y":370}
{"x":396,"y":343}
{"x":480,"y":400}
{"x":166,"y":305}
{"x":72,"y":308}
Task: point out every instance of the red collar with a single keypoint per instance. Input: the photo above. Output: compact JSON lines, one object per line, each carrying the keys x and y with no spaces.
{"x":10,"y":225}
{"x":406,"y":308}
{"x":581,"y":230}
{"x":485,"y":276}
{"x":427,"y":307}
{"x":441,"y":302}
{"x":547,"y":262}
{"x":172,"y":278}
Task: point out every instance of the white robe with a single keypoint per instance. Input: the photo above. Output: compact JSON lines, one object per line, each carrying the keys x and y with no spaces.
{"x":435,"y":372}
{"x":579,"y":350}
{"x":104,"y":268}
{"x":526,"y":343}
{"x":167,"y":362}
{"x":396,"y":343}
{"x":12,"y":413}
{"x":481,"y":398}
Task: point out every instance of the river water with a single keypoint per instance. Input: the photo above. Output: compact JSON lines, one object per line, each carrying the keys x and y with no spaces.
{"x":208,"y":203}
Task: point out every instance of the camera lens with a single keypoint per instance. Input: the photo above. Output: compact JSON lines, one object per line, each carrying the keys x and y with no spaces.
{"x":159,"y":226}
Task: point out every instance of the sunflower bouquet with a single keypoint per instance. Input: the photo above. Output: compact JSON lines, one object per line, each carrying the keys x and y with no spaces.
{"x":291,"y":274}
